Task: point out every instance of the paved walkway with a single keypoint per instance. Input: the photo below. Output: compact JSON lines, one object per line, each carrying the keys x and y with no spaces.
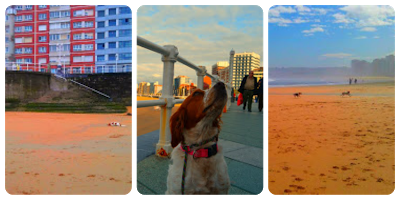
{"x":242,"y":140}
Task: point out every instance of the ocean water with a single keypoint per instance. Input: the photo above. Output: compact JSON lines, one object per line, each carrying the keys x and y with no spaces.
{"x":303,"y":82}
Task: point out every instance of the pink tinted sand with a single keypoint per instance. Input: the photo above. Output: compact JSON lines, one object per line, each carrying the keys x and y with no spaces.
{"x":58,"y":153}
{"x":327,"y":144}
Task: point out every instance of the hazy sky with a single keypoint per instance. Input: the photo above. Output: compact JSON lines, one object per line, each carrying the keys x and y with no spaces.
{"x":328,"y":36}
{"x":204,"y":35}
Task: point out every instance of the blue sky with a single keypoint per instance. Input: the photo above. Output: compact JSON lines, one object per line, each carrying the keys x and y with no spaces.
{"x":328,"y":36}
{"x":204,"y":35}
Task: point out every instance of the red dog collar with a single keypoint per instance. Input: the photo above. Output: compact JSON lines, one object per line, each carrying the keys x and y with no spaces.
{"x":202,"y":153}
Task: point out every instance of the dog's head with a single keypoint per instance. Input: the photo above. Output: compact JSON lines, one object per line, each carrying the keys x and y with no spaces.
{"x":198,"y":114}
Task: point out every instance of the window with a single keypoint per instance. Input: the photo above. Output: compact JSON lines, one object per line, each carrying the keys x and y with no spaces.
{"x":112,"y":45}
{"x":28,"y":17}
{"x":28,"y":40}
{"x":79,"y":12}
{"x":54,"y":14}
{"x":112,"y":11}
{"x":100,"y":46}
{"x":65,"y":13}
{"x":88,"y":36}
{"x":124,"y":10}
{"x":18,"y":51}
{"x":42,"y":16}
{"x":18,"y":29}
{"x":65,"y":47}
{"x":18,"y":7}
{"x":42,"y":27}
{"x":88,"y":58}
{"x":100,"y":13}
{"x":89,"y":12}
{"x":28,"y":60}
{"x":77,"y":48}
{"x":112,"y":34}
{"x":112,"y":22}
{"x":42,"y":49}
{"x":18,"y":40}
{"x":28,"y":50}
{"x":42,"y":39}
{"x":100,"y":57}
{"x":111,"y":56}
{"x":125,"y":56}
{"x":55,"y":26}
{"x":100,"y":24}
{"x":53,"y":48}
{"x":28,"y":7}
{"x":6,"y":49}
{"x":42,"y":60}
{"x":100,"y":35}
{"x":77,"y":59}
{"x":88,"y":47}
{"x":7,"y":39}
{"x":19,"y":60}
{"x":54,"y":37}
{"x":77,"y":24}
{"x":125,"y":33}
{"x":89,"y":24}
{"x":42,"y":6}
{"x":65,"y":25}
{"x":18,"y":18}
{"x":125,"y":44}
{"x":127,"y":21}
{"x":77,"y":36}
{"x":28,"y":28}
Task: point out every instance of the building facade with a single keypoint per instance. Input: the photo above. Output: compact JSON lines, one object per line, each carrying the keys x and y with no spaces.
{"x":114,"y":38}
{"x":243,"y":63}
{"x":218,"y":66}
{"x":10,"y":21}
{"x":83,"y":38}
{"x":259,"y":73}
{"x":178,"y":81}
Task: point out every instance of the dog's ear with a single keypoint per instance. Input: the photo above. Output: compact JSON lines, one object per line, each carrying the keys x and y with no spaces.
{"x":177,"y":124}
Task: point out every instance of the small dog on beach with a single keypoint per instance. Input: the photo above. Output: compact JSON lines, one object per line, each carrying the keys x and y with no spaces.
{"x":346,"y":93}
{"x":296,"y":95}
{"x":115,"y":124}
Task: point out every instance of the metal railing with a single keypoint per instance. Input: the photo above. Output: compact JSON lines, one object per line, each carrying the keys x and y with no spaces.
{"x":69,"y":69}
{"x":169,"y":55}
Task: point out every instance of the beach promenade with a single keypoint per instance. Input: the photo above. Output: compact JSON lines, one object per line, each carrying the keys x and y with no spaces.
{"x":242,"y":140}
{"x":323,"y":143}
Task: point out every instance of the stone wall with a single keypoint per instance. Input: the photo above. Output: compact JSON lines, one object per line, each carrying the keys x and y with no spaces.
{"x":26,"y":86}
{"x":116,"y":85}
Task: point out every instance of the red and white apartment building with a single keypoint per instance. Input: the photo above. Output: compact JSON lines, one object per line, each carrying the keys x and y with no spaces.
{"x":61,"y":35}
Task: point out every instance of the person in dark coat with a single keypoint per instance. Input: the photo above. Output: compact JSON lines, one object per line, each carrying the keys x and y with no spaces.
{"x":260,"y":94}
{"x":247,"y":88}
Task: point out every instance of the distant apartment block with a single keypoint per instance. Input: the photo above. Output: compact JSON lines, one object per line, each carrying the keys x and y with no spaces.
{"x":178,"y":81}
{"x":114,"y":37}
{"x":9,"y":27}
{"x":258,"y":73}
{"x":84,"y":38}
{"x":218,"y":66}
{"x":243,"y":63}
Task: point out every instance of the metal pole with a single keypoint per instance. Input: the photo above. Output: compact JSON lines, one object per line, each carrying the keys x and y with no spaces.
{"x":200,"y":77}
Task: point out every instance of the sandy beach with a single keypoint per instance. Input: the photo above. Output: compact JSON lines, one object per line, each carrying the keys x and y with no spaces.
{"x":59,"y":153}
{"x":323,"y":143}
{"x":148,"y":118}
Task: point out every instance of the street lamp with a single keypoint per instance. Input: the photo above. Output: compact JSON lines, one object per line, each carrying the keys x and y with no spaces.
{"x":59,"y":45}
{"x":116,"y":62}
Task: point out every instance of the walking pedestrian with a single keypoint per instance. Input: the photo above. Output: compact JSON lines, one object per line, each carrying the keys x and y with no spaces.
{"x":260,"y":94}
{"x":247,"y":87}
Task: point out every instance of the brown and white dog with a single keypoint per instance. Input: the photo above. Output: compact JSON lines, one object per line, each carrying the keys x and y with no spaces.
{"x":115,"y":124}
{"x":346,"y":93}
{"x":197,"y":124}
{"x":297,"y":94}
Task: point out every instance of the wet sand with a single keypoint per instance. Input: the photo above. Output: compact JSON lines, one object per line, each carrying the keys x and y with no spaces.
{"x":58,"y":153}
{"x":327,"y":144}
{"x":148,"y":118}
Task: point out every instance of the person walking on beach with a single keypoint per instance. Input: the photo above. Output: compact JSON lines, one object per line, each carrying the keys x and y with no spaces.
{"x":260,"y":94}
{"x":355,"y":81}
{"x":247,"y":87}
{"x":350,"y":81}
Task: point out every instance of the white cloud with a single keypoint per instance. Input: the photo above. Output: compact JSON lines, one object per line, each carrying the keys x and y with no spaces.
{"x":376,"y":37}
{"x":279,"y":20}
{"x":313,"y":30}
{"x":369,"y":29}
{"x":337,"y":55}
{"x":276,"y":11}
{"x":366,"y":16}
{"x":300,"y":20}
{"x":321,"y":11}
{"x":360,"y":37}
{"x":198,"y":36}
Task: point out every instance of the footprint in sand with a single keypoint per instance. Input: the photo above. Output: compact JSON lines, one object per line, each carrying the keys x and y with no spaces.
{"x":61,"y":175}
{"x":344,"y":168}
{"x":91,"y":176}
{"x":379,"y":180}
{"x":298,"y":179}
{"x":287,"y":191}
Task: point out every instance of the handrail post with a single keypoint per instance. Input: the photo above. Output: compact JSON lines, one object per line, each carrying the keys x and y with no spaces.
{"x":214,"y":80}
{"x":163,"y":147}
{"x":200,"y":77}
